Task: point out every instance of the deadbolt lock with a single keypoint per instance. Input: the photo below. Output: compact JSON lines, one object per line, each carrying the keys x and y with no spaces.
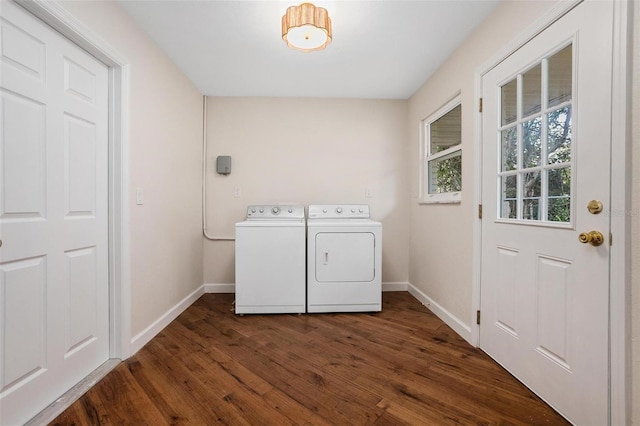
{"x":594,"y":206}
{"x":595,"y":238}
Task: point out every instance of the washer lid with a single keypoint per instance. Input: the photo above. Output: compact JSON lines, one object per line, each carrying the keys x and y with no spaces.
{"x":275,"y":212}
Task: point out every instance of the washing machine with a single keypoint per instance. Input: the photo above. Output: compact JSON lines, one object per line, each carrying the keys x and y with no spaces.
{"x":344,"y":259}
{"x":270,"y":260}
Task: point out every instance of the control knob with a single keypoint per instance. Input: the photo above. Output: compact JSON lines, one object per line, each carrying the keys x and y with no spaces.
{"x":339,"y":210}
{"x":275,"y":210}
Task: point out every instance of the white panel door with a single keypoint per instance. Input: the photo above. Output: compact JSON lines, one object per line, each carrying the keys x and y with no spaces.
{"x":546,"y":149}
{"x":53,"y":215}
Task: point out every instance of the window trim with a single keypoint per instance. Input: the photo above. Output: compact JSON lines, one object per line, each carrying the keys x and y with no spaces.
{"x":426,"y":157}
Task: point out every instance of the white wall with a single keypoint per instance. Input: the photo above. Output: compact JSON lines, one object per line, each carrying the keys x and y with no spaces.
{"x":307,"y":151}
{"x":165,"y":161}
{"x":443,"y":271}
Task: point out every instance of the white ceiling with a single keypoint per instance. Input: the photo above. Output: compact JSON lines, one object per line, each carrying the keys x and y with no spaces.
{"x":383,"y":49}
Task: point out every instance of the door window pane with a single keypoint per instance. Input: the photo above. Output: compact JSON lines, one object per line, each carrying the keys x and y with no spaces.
{"x":509,"y":149}
{"x":509,"y":192}
{"x":559,"y":209}
{"x":531,"y":143}
{"x":560,"y":79}
{"x":531,"y":195}
{"x":559,"y":183}
{"x":531,"y":209}
{"x":509,"y":96}
{"x":532,"y":91}
{"x":559,"y":136}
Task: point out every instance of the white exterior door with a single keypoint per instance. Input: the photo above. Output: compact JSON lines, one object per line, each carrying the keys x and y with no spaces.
{"x":54,"y":316}
{"x":546,"y":155}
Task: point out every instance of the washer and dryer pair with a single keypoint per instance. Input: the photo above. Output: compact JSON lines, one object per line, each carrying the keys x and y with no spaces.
{"x":333,"y":264}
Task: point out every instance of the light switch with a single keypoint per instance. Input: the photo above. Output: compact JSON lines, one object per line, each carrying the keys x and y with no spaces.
{"x":139,"y":196}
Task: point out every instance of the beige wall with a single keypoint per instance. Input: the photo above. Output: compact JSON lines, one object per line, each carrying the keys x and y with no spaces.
{"x":635,"y":223}
{"x":307,"y":151}
{"x":165,"y":155}
{"x":443,"y":271}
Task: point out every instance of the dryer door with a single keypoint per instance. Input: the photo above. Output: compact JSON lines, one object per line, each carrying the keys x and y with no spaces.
{"x":345,"y":257}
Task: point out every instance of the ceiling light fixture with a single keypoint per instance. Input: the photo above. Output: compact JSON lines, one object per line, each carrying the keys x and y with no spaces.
{"x":306,"y":27}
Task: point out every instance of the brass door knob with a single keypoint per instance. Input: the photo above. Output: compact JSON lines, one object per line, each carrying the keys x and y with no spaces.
{"x":594,"y":206}
{"x":595,"y":238}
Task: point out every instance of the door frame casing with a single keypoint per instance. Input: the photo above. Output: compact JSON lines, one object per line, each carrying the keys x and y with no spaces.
{"x":54,"y":15}
{"x":620,"y":220}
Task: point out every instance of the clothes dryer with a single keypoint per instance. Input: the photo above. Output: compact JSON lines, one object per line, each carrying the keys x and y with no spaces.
{"x":344,"y":258}
{"x":270,"y":260}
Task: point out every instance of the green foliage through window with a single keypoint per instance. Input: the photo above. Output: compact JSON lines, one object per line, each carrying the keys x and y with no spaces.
{"x":448,"y":174}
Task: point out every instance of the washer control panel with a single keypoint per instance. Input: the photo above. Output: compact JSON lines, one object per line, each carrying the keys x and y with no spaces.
{"x":333,"y":211}
{"x":275,"y":212}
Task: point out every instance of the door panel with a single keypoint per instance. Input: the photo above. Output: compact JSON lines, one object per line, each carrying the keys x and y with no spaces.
{"x":24,"y":283}
{"x":345,"y":257}
{"x":23,"y":188}
{"x":81,"y":290}
{"x":23,"y":50}
{"x":79,"y":81}
{"x":553,"y":280}
{"x":507,"y":289}
{"x":80,"y":175}
{"x":546,"y":145}
{"x":54,"y":311}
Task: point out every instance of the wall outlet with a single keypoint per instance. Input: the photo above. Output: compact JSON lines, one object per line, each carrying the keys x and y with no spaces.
{"x":139,"y":196}
{"x":368,"y":193}
{"x":237,"y":192}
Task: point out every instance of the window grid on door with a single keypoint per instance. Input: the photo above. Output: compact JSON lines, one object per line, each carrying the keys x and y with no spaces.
{"x":535,"y":142}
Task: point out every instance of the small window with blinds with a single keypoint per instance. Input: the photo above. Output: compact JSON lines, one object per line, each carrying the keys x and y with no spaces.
{"x":442,"y":148}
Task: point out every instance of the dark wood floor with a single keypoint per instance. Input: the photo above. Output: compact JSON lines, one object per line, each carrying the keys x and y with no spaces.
{"x":400,"y":366}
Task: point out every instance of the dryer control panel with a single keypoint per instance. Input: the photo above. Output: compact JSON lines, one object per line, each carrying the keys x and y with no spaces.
{"x":342,"y":211}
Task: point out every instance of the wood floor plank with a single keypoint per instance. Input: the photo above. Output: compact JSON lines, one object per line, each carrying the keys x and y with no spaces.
{"x":399,"y":366}
{"x":119,"y":400}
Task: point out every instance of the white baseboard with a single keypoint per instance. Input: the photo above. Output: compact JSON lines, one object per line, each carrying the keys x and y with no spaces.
{"x":142,"y":338}
{"x":57,"y":407}
{"x":231,"y":288}
{"x":219,"y":288}
{"x":395,"y":286}
{"x":452,"y":321}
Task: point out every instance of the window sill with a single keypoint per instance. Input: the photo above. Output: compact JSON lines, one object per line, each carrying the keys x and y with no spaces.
{"x":448,"y":198}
